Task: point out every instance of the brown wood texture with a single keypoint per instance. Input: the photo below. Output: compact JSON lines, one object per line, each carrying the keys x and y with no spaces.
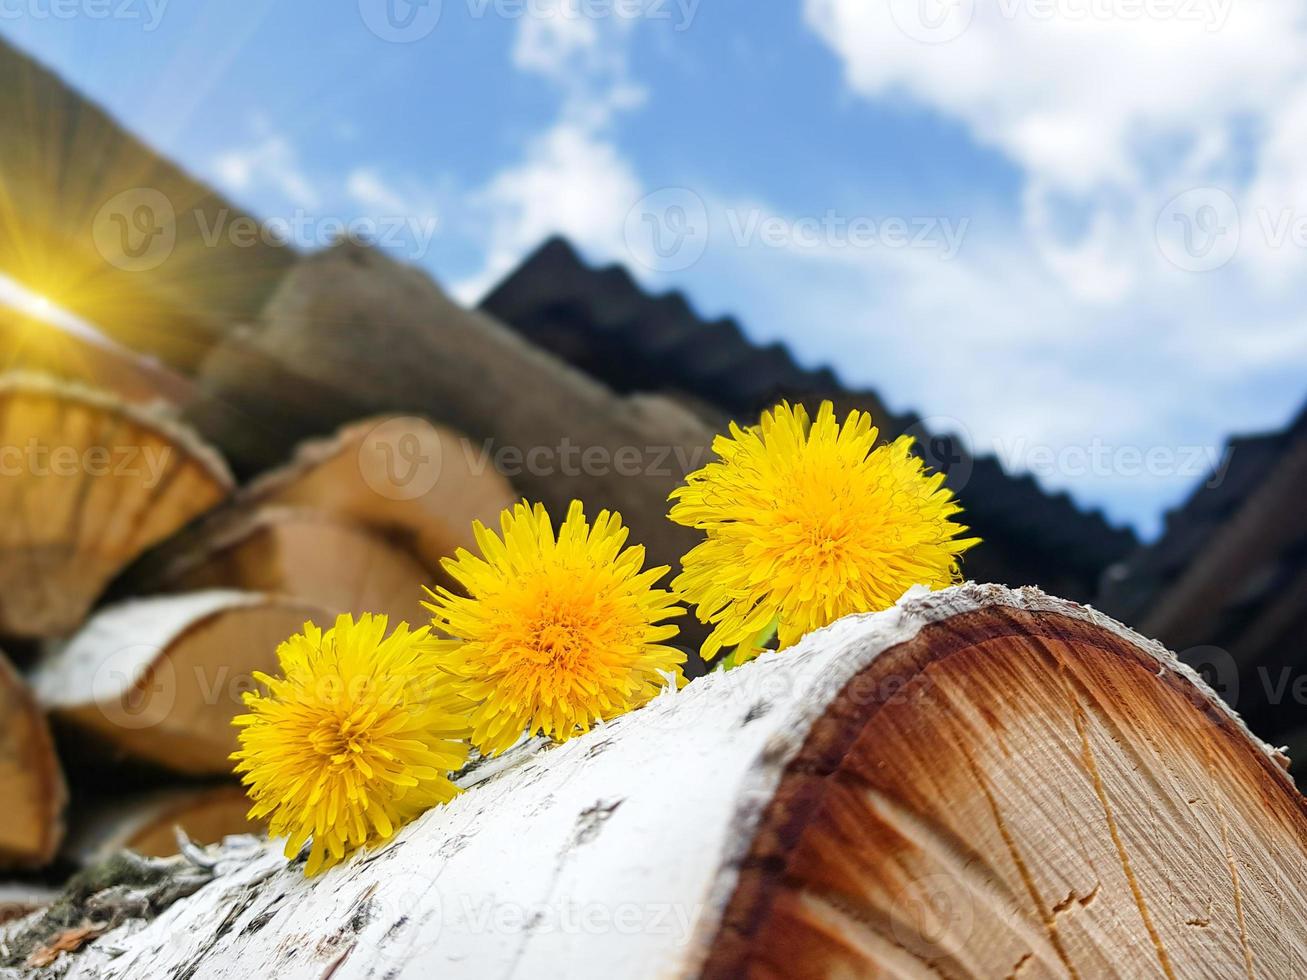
{"x":147,"y":824}
{"x":31,"y":781}
{"x":89,"y":483}
{"x":1017,"y":794}
{"x":167,"y":700}
{"x":167,"y":280}
{"x":351,"y":333}
{"x":329,"y":562}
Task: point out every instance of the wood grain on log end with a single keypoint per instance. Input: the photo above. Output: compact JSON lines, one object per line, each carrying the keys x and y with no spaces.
{"x":419,"y":483}
{"x":90,"y":483}
{"x":31,"y":781}
{"x":977,"y":782}
{"x":1015,"y":793}
{"x":333,"y":563}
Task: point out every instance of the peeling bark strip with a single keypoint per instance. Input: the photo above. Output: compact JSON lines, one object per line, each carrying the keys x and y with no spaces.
{"x":976,"y":783}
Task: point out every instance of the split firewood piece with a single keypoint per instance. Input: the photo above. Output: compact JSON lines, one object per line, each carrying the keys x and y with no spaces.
{"x":31,"y":781}
{"x":975,"y":783}
{"x":417,"y":482}
{"x":331,"y":562}
{"x":350,"y":332}
{"x":30,"y":343}
{"x":89,"y":482}
{"x":147,"y":824}
{"x":158,"y":680}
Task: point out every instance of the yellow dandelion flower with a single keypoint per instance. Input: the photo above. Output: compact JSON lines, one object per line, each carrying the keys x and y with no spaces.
{"x":554,"y":633}
{"x":356,"y":738}
{"x":808,"y":521}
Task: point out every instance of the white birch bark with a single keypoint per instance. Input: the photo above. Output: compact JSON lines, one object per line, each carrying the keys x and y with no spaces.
{"x":575,"y":860}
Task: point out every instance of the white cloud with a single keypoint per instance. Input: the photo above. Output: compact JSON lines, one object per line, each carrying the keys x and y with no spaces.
{"x":270,"y":162}
{"x":1111,"y":107}
{"x":571,"y":182}
{"x":573,"y":179}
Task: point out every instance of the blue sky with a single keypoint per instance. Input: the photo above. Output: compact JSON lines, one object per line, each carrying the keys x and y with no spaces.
{"x":1072,"y":230}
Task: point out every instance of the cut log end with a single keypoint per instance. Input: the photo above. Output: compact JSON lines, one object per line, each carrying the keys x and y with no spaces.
{"x":403,"y":476}
{"x":31,"y":781}
{"x":1015,"y":791}
{"x":976,"y":783}
{"x":90,"y":483}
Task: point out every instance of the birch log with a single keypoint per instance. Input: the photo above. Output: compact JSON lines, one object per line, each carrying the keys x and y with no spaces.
{"x":159,"y":680}
{"x":975,"y":783}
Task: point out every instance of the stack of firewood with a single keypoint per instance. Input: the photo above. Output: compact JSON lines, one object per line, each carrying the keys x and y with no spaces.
{"x":974,"y":783}
{"x":124,"y":670}
{"x":162,"y":533}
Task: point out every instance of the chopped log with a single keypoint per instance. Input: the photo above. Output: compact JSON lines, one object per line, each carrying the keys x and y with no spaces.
{"x":31,"y":344}
{"x":147,"y":824}
{"x":975,"y":783}
{"x":331,"y":563}
{"x":31,"y":781}
{"x":350,"y":332}
{"x":89,"y":483}
{"x":107,"y":228}
{"x":158,"y":680}
{"x":415,"y":482}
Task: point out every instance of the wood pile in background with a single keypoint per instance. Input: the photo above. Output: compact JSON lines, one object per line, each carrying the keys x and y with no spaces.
{"x":140,"y":590}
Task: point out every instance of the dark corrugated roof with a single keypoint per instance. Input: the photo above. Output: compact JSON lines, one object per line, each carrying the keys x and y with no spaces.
{"x":601,"y":321}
